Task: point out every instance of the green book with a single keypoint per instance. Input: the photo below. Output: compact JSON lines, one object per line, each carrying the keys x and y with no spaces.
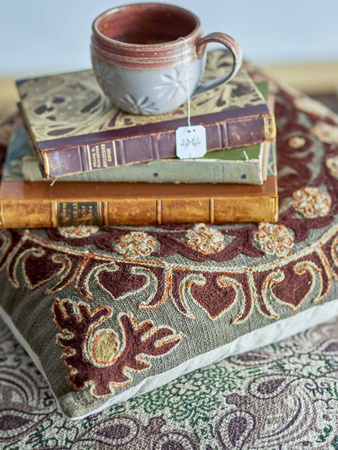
{"x":246,"y":165}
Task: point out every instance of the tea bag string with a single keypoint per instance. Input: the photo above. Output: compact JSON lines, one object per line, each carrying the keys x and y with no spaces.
{"x":185,"y":60}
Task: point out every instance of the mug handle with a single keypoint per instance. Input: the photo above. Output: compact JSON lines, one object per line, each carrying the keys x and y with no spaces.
{"x":232,"y":45}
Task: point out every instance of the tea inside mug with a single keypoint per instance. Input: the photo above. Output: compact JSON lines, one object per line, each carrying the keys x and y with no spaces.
{"x":147,"y":25}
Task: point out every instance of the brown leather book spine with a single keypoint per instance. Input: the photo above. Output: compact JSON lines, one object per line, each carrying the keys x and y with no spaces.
{"x":35,"y":205}
{"x":243,"y":131}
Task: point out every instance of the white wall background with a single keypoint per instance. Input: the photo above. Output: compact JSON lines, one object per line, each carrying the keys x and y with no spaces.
{"x":49,"y":36}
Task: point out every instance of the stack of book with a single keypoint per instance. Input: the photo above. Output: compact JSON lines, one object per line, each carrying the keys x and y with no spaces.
{"x":76,"y":159}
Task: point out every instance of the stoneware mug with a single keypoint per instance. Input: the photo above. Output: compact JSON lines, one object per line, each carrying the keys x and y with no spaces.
{"x":148,"y":57}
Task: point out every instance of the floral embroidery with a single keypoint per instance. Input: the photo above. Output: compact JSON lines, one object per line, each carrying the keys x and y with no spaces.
{"x":136,"y":243}
{"x":326,"y":133}
{"x":154,"y":282}
{"x":86,"y":355}
{"x":138,"y":106}
{"x":296,"y":142}
{"x":312,"y":202}
{"x":274,"y":239}
{"x":80,"y":231}
{"x":332,"y":165}
{"x":205,"y":239}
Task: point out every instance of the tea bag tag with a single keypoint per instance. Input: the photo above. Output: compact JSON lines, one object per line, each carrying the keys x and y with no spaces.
{"x":191,"y":142}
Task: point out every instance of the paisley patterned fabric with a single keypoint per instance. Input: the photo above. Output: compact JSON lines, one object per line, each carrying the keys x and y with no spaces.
{"x":105,"y":310}
{"x":283,"y":396}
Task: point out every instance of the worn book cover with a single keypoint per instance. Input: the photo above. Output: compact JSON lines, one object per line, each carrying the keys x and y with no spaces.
{"x":39,"y":204}
{"x":243,"y":165}
{"x":74,"y":127}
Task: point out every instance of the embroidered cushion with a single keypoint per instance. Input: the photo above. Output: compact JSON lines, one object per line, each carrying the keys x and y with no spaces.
{"x":113,"y":312}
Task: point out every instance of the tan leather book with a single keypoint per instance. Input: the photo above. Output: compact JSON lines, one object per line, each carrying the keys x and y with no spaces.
{"x":39,"y":204}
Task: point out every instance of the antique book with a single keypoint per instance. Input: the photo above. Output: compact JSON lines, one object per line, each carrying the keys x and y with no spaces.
{"x":39,"y":204}
{"x":74,"y":127}
{"x":243,"y":165}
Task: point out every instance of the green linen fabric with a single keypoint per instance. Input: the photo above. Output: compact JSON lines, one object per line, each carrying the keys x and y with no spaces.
{"x":109,"y":313}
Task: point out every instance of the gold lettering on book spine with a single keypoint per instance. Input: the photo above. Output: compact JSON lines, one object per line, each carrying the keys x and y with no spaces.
{"x":78,"y":213}
{"x":104,"y":155}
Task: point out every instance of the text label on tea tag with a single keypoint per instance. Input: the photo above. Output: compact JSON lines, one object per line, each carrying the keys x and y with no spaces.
{"x":191,"y":142}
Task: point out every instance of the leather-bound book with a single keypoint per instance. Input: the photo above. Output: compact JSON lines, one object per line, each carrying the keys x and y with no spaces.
{"x":74,"y":127}
{"x":40,"y":204}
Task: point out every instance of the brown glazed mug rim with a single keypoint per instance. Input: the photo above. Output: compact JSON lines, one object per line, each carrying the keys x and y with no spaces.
{"x":146,"y":56}
{"x":143,"y":47}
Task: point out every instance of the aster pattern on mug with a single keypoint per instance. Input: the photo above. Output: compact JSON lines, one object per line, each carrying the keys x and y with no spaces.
{"x":105,"y":75}
{"x":137,"y":105}
{"x":177,"y":80}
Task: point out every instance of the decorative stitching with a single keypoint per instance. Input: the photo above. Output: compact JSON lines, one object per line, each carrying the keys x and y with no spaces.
{"x":181,"y":284}
{"x":77,"y":324}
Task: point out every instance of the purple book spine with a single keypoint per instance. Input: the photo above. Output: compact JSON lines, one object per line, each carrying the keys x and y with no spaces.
{"x":104,"y":153}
